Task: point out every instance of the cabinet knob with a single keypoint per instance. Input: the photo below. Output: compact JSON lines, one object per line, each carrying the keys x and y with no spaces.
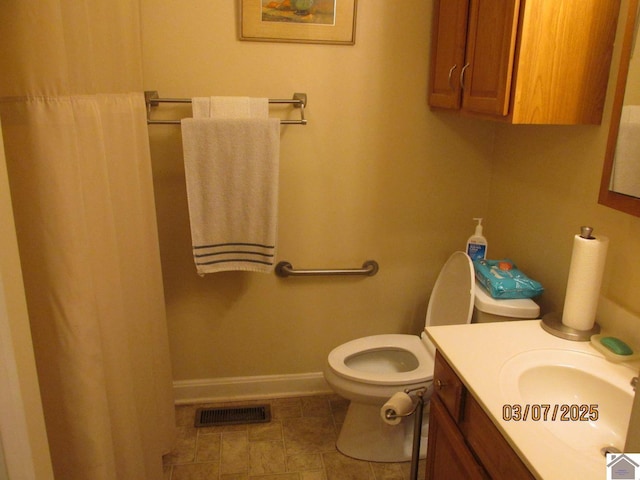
{"x":440,"y":384}
{"x":462,"y":75}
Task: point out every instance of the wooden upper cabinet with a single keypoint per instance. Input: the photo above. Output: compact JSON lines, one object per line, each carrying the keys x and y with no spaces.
{"x":523,"y":61}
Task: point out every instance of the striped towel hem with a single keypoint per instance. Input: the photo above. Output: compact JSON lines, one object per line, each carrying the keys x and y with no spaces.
{"x":234,"y":252}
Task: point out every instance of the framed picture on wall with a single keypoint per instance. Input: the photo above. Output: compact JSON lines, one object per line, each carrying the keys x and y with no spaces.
{"x":305,"y":21}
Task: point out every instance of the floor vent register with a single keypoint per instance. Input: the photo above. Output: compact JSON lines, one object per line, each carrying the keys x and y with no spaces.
{"x":211,"y":417}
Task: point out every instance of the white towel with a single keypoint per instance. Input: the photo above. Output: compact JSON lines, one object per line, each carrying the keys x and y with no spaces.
{"x":230,"y":107}
{"x":626,"y":167}
{"x":232,"y":166}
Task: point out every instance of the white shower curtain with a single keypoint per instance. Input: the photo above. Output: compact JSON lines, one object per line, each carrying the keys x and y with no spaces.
{"x":77,"y":154}
{"x":80,"y":178}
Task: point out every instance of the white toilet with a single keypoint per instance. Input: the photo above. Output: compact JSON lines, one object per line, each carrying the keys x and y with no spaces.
{"x":369,"y":370}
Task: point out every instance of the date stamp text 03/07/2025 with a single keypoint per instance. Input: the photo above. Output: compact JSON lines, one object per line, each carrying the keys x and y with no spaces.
{"x":546,"y":412}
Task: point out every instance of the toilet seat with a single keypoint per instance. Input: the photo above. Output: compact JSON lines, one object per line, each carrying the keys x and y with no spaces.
{"x":451,"y":303}
{"x":340,"y":355}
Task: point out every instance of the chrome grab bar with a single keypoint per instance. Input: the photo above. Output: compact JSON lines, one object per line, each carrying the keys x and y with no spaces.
{"x":285,"y":269}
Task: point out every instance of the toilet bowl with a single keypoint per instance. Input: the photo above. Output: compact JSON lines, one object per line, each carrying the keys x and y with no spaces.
{"x":379,"y":365}
{"x":369,"y":370}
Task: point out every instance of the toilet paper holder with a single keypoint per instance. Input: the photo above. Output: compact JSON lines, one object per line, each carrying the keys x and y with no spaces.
{"x":423,"y":394}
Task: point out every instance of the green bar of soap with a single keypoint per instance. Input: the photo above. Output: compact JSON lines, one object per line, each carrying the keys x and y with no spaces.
{"x":616,"y":345}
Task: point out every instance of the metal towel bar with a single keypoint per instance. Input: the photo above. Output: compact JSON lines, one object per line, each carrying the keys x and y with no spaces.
{"x":152,"y":99}
{"x":369,"y":268}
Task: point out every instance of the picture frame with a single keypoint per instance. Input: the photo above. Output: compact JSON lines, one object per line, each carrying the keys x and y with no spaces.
{"x":301,"y":21}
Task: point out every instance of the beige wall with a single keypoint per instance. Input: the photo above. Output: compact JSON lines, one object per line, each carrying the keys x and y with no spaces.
{"x":544,"y":187}
{"x":374,"y":175}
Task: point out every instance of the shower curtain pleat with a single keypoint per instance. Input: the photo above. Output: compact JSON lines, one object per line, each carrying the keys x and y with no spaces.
{"x":80,"y":177}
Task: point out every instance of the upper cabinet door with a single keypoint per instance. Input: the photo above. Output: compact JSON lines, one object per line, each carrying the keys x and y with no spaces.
{"x":491,"y":44}
{"x":448,"y":45}
{"x":563,"y":60}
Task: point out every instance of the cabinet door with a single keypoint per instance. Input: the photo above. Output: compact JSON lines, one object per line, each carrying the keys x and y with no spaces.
{"x":448,"y":39}
{"x":447,"y":454}
{"x":491,"y":44}
{"x":489,"y":446}
{"x":448,"y":386}
{"x":563,"y":61}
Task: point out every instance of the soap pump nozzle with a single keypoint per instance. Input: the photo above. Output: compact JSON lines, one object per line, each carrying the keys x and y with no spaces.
{"x":478,"y":226}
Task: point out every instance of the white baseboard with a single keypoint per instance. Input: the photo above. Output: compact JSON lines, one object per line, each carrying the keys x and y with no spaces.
{"x":210,"y":390}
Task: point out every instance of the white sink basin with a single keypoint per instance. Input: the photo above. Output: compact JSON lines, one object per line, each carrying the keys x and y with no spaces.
{"x":581,"y":399}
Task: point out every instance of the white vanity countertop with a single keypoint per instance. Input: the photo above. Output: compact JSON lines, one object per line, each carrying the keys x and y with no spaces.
{"x":477,"y":353}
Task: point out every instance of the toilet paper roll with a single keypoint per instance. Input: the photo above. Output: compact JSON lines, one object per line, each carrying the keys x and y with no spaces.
{"x":400,"y":403}
{"x":585,"y":279}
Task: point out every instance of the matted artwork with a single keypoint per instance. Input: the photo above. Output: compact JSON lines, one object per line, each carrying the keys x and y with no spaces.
{"x":306,"y":21}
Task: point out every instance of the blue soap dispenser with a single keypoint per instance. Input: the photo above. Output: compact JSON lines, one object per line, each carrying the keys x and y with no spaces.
{"x":477,"y":244}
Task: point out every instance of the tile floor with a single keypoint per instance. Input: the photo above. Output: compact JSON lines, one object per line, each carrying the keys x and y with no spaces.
{"x":297,"y":444}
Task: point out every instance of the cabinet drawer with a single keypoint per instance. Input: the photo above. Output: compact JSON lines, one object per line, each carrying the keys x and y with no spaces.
{"x":489,"y":446}
{"x":448,"y":387}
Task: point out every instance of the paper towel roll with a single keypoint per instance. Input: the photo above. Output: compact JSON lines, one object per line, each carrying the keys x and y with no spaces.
{"x":585,"y":278}
{"x":400,"y":403}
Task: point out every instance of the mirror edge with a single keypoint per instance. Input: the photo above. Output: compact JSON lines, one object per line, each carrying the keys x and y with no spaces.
{"x":618,"y":201}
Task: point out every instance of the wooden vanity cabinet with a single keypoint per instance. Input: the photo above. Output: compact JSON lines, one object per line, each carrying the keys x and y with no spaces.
{"x":523,"y":61}
{"x":464,"y":443}
{"x":448,"y":457}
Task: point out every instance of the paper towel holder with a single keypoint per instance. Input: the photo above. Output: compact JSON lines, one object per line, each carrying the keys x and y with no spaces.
{"x":552,"y":323}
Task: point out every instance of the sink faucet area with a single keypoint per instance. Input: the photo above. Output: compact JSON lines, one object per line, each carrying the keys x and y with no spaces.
{"x":560,"y":404}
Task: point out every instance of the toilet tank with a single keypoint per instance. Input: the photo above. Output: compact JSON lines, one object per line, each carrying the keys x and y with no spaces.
{"x":488,"y":309}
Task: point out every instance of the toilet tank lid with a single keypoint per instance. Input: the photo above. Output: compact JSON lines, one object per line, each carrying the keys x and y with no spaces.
{"x":515,"y":308}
